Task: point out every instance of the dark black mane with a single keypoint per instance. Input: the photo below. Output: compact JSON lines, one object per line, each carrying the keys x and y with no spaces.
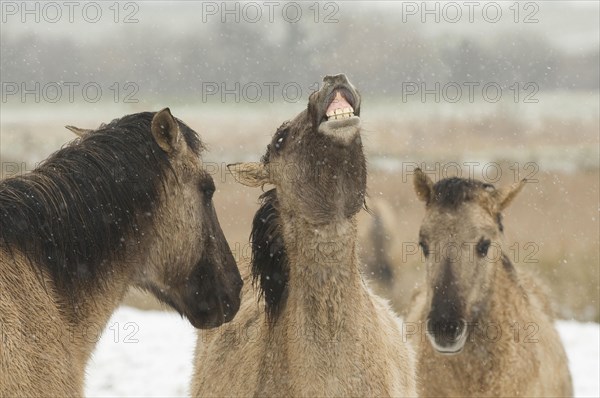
{"x":77,"y":210}
{"x":270,"y":266}
{"x":451,"y":192}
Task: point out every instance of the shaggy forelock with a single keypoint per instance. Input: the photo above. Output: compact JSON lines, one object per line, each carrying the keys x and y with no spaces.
{"x":452,"y":192}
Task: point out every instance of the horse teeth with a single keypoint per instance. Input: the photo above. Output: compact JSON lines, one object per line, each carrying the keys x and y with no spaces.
{"x":340,"y":113}
{"x":343,"y":114}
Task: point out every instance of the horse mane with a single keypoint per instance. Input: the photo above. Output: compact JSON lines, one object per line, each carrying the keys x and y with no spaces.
{"x":77,"y":211}
{"x":270,"y":263}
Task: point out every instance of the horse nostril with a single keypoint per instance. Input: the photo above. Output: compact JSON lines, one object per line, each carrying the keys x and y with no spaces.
{"x":204,"y":306}
{"x":453,"y":328}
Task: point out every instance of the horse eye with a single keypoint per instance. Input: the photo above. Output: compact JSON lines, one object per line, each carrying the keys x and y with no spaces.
{"x":279,"y":143}
{"x":280,"y":139}
{"x":482,"y":247}
{"x":209,"y":192}
{"x":208,"y":189}
{"x":424,"y":247}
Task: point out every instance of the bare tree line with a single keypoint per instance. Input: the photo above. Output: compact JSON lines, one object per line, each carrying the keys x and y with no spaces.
{"x":373,"y":48}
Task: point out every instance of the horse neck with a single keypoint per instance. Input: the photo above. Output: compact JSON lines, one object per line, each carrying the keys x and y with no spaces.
{"x":329,"y":314}
{"x":508,"y":306}
{"x":325,"y":284}
{"x":508,"y":298}
{"x":89,"y":310}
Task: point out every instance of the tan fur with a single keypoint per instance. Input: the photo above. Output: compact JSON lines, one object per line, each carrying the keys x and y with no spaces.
{"x":334,"y":337}
{"x":512,"y":348}
{"x":45,"y":348}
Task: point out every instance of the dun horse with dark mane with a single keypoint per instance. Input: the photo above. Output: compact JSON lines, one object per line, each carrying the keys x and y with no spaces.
{"x":321,"y":332}
{"x":488,"y":324}
{"x":125,"y":205}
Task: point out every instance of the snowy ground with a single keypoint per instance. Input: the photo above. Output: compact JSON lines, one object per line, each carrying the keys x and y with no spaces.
{"x":149,"y":353}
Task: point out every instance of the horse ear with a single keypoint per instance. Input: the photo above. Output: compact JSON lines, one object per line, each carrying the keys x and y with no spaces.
{"x":166,"y":131}
{"x":423,"y":185}
{"x":504,"y":196}
{"x":251,"y":174}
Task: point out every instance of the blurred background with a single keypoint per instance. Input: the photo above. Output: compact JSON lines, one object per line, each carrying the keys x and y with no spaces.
{"x":494,"y":90}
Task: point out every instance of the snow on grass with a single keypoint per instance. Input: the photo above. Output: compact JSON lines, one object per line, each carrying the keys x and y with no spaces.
{"x":582,"y":341}
{"x":150,"y":354}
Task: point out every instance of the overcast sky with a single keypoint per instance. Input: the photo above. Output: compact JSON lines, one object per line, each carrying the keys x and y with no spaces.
{"x":572,"y":25}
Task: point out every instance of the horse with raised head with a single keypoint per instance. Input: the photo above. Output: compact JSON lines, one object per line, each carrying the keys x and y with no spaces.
{"x":317,"y":330}
{"x":128,"y":204}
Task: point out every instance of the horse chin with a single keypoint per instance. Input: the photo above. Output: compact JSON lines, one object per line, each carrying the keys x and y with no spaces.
{"x":206,"y":314}
{"x":445,"y":349}
{"x":207,"y":321}
{"x":202,"y":314}
{"x":445,"y":344}
{"x":344,"y":130}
